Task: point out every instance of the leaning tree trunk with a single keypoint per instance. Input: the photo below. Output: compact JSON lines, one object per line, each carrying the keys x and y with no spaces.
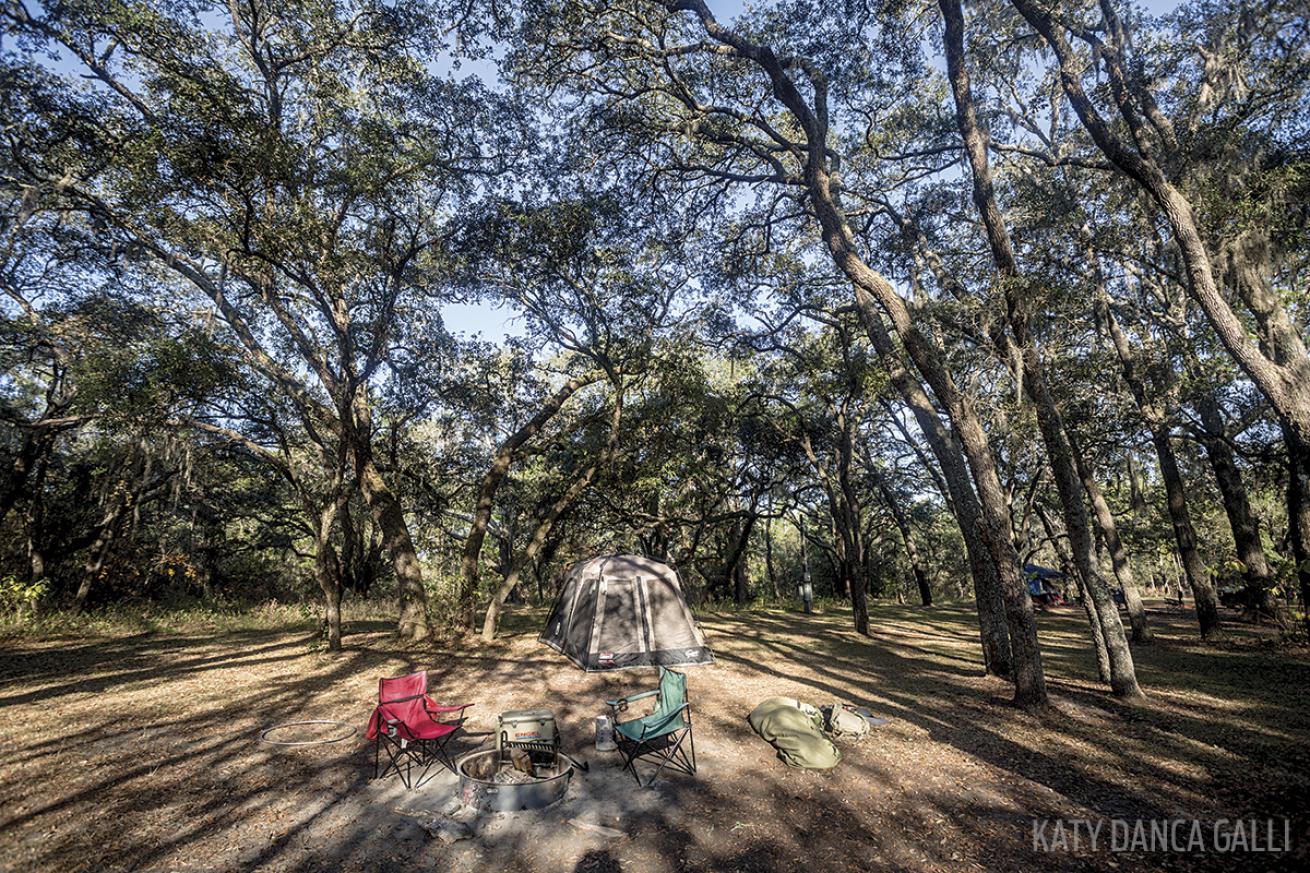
{"x":1104,"y":665}
{"x":1237,"y":506}
{"x":1029,"y":677}
{"x":491,"y":481}
{"x":491,"y":619}
{"x":959,"y":494}
{"x":911,"y":549}
{"x":1089,"y":606}
{"x":107,"y":532}
{"x":874,"y":295}
{"x":872,"y":292}
{"x":557,"y":509}
{"x":390,"y":517}
{"x":1198,"y":576}
{"x":1107,"y":629}
{"x":93,"y":569}
{"x":1141,"y":632}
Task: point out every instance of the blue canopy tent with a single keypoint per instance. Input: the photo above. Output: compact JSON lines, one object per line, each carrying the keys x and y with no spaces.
{"x":1037,"y":577}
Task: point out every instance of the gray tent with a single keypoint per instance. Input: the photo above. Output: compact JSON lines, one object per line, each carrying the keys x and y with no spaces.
{"x":621,"y":611}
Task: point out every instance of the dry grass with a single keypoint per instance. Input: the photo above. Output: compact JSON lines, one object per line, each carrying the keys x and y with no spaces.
{"x":139,"y":752}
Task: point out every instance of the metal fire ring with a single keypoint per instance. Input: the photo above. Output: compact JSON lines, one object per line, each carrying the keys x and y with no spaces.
{"x":263,"y":736}
{"x":487,"y":794}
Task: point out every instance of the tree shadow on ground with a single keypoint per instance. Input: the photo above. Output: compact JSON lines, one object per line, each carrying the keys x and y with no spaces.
{"x":142,"y":753}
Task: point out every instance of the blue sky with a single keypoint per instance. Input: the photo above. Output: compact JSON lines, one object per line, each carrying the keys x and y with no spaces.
{"x":479,"y":318}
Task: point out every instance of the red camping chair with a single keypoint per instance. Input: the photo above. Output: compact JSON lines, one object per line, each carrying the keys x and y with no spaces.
{"x":411,"y":728}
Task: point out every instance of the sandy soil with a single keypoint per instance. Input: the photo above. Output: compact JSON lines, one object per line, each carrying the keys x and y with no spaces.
{"x":141,"y":753}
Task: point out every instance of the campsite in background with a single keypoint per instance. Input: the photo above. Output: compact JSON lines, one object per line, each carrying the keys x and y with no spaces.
{"x":654,"y":435}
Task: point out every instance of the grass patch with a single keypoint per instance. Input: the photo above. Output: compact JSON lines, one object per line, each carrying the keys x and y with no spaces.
{"x":185,"y":616}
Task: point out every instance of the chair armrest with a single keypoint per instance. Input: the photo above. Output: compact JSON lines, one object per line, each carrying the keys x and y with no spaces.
{"x":624,"y":701}
{"x":432,"y":706}
{"x":658,"y":728}
{"x":440,"y":713}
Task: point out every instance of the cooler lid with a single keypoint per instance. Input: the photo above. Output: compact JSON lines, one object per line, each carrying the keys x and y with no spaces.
{"x":527,"y":715}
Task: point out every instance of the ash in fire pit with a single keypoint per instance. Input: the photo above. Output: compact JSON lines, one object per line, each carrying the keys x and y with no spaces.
{"x":512,"y":777}
{"x":491,"y":781}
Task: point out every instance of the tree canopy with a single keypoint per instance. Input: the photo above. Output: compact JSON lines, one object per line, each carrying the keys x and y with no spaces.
{"x":904,"y":298}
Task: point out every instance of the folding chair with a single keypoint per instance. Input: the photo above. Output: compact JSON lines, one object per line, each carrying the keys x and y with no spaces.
{"x":412,"y":729}
{"x":660,"y":734}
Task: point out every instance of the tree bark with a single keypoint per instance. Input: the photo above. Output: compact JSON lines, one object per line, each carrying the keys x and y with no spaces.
{"x":1198,"y":575}
{"x":1198,"y":578}
{"x":94,"y":565}
{"x":873,"y":293}
{"x":327,"y":570}
{"x":1108,"y":630}
{"x":962,"y":500}
{"x":1244,"y":525}
{"x":390,"y":517}
{"x":1070,"y":569}
{"x":1021,"y":346}
{"x":993,"y":523}
{"x":1141,"y":631}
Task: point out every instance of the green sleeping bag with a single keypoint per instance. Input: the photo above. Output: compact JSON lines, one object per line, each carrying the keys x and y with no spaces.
{"x":793,"y":732}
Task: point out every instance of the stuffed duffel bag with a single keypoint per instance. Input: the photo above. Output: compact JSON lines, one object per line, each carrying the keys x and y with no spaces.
{"x":787,"y":726}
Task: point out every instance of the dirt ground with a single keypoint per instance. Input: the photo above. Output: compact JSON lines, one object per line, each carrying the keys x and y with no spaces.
{"x":141,"y":752}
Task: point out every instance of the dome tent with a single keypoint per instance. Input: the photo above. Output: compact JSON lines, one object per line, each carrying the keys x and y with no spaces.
{"x":620,"y":611}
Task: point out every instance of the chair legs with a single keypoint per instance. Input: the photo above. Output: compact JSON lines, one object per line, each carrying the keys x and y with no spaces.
{"x":404,"y":756}
{"x":437,"y":751}
{"x":670,"y":752}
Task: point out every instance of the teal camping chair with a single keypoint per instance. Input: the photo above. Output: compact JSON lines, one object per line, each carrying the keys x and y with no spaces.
{"x":660,"y":734}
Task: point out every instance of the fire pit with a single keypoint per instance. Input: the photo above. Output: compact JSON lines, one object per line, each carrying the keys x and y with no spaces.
{"x":499,"y":787}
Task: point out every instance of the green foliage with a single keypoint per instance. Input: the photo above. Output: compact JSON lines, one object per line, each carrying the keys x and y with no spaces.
{"x":232,"y":230}
{"x":20,"y":598}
